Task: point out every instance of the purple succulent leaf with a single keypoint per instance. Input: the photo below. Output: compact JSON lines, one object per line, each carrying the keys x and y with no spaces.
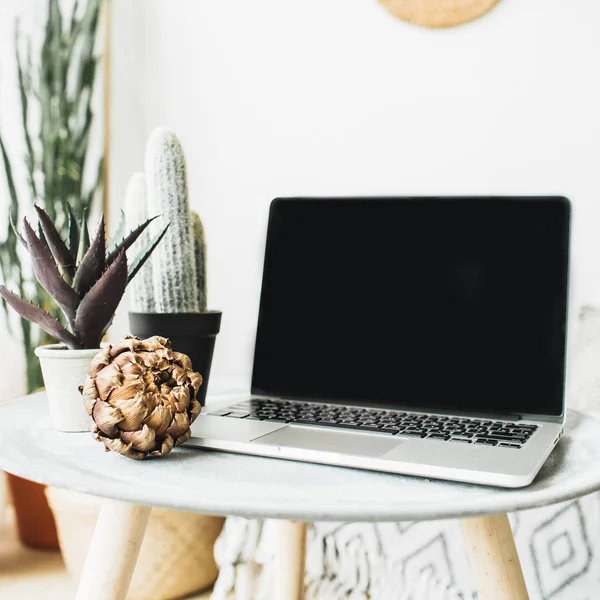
{"x":91,"y":267}
{"x":129,"y":239}
{"x":40,"y":317}
{"x":46,"y":272}
{"x":62,"y":255}
{"x":118,"y":235}
{"x":98,"y":306}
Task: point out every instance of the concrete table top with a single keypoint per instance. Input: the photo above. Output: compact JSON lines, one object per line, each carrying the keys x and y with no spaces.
{"x":218,"y":483}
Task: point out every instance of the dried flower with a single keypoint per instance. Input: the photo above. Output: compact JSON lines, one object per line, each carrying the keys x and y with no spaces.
{"x":142,"y":397}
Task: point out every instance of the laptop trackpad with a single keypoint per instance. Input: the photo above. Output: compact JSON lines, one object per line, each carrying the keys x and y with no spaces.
{"x":327,"y":440}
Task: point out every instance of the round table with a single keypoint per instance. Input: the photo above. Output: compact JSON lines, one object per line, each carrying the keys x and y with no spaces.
{"x":217,"y":483}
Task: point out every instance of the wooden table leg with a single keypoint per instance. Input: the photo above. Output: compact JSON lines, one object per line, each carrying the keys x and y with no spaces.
{"x":494,"y":559}
{"x":113,"y":551}
{"x":290,"y":552}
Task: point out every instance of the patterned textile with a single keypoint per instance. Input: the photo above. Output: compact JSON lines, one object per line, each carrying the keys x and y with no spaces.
{"x":559,"y":545}
{"x":559,"y":548}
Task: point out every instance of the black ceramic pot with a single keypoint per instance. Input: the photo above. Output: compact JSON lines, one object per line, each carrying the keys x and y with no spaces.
{"x":190,"y":333}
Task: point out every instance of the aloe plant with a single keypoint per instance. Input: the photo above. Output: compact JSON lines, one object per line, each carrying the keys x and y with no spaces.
{"x":86,"y":279}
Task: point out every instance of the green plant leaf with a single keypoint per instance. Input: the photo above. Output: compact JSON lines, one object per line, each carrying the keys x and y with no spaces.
{"x":4,"y":271}
{"x":91,"y":266}
{"x":97,"y":186}
{"x":16,"y":231}
{"x":84,"y":238}
{"x":89,"y":25}
{"x":56,"y":120}
{"x":99,"y":305}
{"x":14,"y":200}
{"x":129,"y":239}
{"x":145,"y":253}
{"x":119,"y":234}
{"x":73,"y":229}
{"x":40,"y":317}
{"x":22,"y":78}
{"x":74,"y":20}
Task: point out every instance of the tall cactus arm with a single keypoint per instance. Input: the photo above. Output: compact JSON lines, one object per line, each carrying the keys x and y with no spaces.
{"x":200,"y":254}
{"x":173,"y":262}
{"x":141,"y":288}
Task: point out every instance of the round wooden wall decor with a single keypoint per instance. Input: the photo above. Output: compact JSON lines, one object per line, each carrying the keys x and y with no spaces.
{"x":438,"y":13}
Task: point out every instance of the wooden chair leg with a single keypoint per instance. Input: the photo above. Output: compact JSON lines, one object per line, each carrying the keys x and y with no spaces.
{"x":113,"y":551}
{"x":494,"y":559}
{"x":290,"y":552}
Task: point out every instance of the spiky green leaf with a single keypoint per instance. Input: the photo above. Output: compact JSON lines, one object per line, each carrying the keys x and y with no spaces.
{"x":17,"y":232}
{"x":84,"y":238}
{"x":128,"y":241}
{"x":118,"y":236}
{"x":73,"y":229}
{"x":145,"y":253}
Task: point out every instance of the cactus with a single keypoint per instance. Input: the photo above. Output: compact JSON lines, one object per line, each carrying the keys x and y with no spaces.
{"x":200,"y":254}
{"x":136,"y":211}
{"x":174,"y":267}
{"x":174,"y":281}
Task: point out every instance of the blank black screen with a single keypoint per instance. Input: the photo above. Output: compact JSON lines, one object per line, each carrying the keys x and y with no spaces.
{"x":447,"y":303}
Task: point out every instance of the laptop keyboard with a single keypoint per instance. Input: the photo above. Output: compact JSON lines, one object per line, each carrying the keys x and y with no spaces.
{"x":407,"y":424}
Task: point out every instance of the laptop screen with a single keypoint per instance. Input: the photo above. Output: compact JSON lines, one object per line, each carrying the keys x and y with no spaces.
{"x":424,"y":303}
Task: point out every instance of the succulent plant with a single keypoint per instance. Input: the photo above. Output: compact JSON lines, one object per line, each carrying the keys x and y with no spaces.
{"x":142,"y":397}
{"x":85,"y":278}
{"x":176,"y":281}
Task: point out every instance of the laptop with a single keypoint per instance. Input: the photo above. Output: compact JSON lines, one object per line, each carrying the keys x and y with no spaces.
{"x":424,"y":336}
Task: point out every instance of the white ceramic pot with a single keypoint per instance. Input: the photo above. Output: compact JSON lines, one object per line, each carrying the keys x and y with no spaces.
{"x":64,"y":371}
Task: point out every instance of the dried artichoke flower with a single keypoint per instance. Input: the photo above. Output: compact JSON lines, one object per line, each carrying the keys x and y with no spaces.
{"x":142,"y":397}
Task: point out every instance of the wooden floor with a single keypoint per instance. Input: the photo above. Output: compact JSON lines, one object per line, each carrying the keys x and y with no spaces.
{"x":33,"y":574}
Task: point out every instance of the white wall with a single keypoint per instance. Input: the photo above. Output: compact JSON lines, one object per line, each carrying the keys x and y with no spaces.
{"x":279,"y":98}
{"x":12,"y":366}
